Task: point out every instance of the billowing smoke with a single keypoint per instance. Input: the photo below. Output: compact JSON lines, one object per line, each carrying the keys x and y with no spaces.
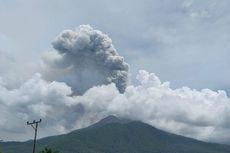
{"x":86,"y":57}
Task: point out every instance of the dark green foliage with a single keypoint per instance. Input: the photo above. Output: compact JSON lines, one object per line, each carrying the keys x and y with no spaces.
{"x":48,"y":150}
{"x":117,"y":137}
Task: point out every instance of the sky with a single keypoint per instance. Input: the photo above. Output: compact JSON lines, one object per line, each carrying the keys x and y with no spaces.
{"x":69,"y":61}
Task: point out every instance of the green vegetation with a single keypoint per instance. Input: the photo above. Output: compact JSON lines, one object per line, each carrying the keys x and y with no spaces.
{"x":118,"y":137}
{"x":48,"y":150}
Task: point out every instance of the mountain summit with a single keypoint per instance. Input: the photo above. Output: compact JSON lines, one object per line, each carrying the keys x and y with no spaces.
{"x":110,"y":119}
{"x":116,"y":135}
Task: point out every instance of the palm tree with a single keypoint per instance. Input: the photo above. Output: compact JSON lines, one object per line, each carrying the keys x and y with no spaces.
{"x":48,"y":150}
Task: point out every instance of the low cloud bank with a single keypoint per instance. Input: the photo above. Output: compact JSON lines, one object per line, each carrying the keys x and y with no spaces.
{"x":199,"y":114}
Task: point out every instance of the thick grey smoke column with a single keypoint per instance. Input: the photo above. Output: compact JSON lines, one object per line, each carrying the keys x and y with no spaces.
{"x":90,"y":59}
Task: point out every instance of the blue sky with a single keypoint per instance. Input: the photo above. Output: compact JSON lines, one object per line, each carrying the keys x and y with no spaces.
{"x":185,"y":42}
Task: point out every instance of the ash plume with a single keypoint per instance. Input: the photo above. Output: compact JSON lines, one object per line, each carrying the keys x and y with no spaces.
{"x":86,"y":57}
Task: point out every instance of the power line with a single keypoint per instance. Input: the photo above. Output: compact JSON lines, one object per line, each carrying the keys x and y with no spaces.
{"x":35,"y":129}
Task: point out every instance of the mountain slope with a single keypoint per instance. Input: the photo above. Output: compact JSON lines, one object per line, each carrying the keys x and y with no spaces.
{"x":113,"y":135}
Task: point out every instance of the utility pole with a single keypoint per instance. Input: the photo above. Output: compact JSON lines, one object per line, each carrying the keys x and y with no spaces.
{"x":35,"y":129}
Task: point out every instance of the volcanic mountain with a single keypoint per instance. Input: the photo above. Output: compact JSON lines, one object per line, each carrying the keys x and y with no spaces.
{"x":116,"y":135}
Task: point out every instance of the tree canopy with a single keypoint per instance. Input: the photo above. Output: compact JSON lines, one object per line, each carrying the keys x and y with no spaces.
{"x":48,"y":150}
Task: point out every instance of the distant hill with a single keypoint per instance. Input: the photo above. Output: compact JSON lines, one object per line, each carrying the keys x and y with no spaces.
{"x":115,"y":135}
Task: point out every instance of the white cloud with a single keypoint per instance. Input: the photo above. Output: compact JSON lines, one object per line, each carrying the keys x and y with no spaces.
{"x":34,"y":99}
{"x":199,"y":114}
{"x":185,"y":111}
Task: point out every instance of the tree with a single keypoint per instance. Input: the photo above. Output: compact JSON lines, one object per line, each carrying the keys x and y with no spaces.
{"x":48,"y":150}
